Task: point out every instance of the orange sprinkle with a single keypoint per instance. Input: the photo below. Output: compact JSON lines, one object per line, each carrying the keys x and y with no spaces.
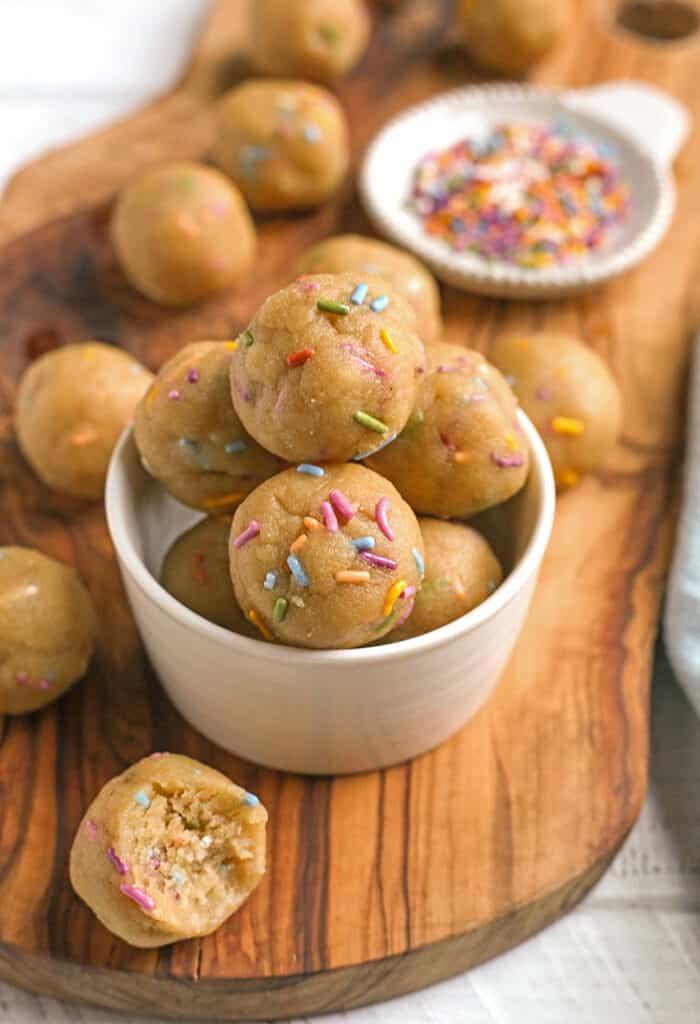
{"x":388,"y":340}
{"x":567,"y":478}
{"x":311,"y":524}
{"x":300,"y":357}
{"x":458,"y":588}
{"x":85,"y":436}
{"x":223,"y":499}
{"x":298,"y":543}
{"x":352,"y":576}
{"x":567,"y":425}
{"x":392,"y":596}
{"x":152,"y":394}
{"x":460,"y":457}
{"x":261,"y":624}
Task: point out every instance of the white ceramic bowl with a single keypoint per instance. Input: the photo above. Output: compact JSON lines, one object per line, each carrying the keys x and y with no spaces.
{"x":323,"y":712}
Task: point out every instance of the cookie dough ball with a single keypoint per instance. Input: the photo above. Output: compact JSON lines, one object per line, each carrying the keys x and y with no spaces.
{"x":358,"y":255}
{"x":285,"y":144}
{"x":196,"y":572}
{"x":317,"y":39}
{"x":569,"y":394}
{"x":325,"y":556}
{"x":168,"y":850}
{"x":182,"y":233}
{"x":461,"y":571}
{"x":463,"y":449}
{"x":72,"y":405}
{"x":509,"y":36}
{"x":190,"y":437}
{"x":327,"y":369}
{"x":47,"y":629}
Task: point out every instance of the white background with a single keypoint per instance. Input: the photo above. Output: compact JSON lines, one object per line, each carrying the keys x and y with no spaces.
{"x":630,"y":954}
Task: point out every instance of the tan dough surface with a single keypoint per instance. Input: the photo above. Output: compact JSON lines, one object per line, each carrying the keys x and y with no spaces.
{"x":47,"y":629}
{"x":324,"y":613}
{"x":317,"y":39}
{"x":189,"y":436}
{"x":284,"y":143}
{"x":182,"y":233}
{"x":72,"y":405}
{"x":511,"y":35}
{"x":569,"y":394}
{"x":463,"y":450}
{"x":358,"y":255}
{"x":196,"y":572}
{"x":461,"y":571}
{"x":308,"y":412}
{"x":168,"y":850}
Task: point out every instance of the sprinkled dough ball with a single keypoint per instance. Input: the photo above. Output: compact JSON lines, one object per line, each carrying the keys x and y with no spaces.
{"x":284,"y":143}
{"x":47,"y":629}
{"x":168,"y":850}
{"x":569,"y":394}
{"x":461,"y":571}
{"x":326,"y":556}
{"x":358,"y":255}
{"x":327,"y":369}
{"x":189,"y":436}
{"x":462,"y":450}
{"x":317,"y":39}
{"x":72,"y":405}
{"x":511,"y":35}
{"x":196,"y":572}
{"x":182,"y":233}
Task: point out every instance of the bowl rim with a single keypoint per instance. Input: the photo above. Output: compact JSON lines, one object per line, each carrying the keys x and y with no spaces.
{"x":525,"y":568}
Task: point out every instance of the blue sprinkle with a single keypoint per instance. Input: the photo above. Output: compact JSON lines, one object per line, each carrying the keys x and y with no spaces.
{"x":479,"y":384}
{"x":420,"y":564}
{"x":297,"y":572}
{"x":251,"y":799}
{"x":312,"y":133}
{"x":310,"y":470}
{"x":379,"y":303}
{"x":142,"y":799}
{"x":149,"y":853}
{"x":177,"y":876}
{"x":366,"y":455}
{"x":359,"y":295}
{"x":270,"y":581}
{"x":492,"y":586}
{"x":511,"y":379}
{"x":233,"y":447}
{"x":363,"y":543}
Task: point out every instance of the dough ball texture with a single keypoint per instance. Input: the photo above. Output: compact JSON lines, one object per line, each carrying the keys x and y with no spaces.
{"x":326,"y":557}
{"x":355,"y":254}
{"x":72,"y":405}
{"x":463,"y":449}
{"x":461,"y":571}
{"x":320,"y":377}
{"x":284,"y":143}
{"x":189,"y":436}
{"x":318,"y":39}
{"x":47,"y":629}
{"x":182,"y":233}
{"x":168,"y":850}
{"x":196,"y":572}
{"x":569,"y":394}
{"x":509,"y":36}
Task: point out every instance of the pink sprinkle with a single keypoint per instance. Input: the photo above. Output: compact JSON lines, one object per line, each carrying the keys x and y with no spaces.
{"x":407,"y":593}
{"x":22,"y":679}
{"x":379,"y":560}
{"x":410,"y":596}
{"x":342,"y":505}
{"x":44,"y":684}
{"x":329,"y":519}
{"x":310,"y":286}
{"x":116,"y":860}
{"x":444,"y":368}
{"x":377,"y":370}
{"x":252,"y":530}
{"x":381,"y":514}
{"x":478,"y":398}
{"x":507,"y":461}
{"x":156,"y":863}
{"x":175,"y":394}
{"x":138,"y":896}
{"x":158,"y":753}
{"x":281,"y":396}
{"x":91,"y":827}
{"x":193,"y":376}
{"x":544,"y":394}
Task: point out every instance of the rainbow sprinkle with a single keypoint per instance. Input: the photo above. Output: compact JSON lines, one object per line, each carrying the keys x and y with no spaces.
{"x":420,"y":564}
{"x":342,"y":504}
{"x":329,"y":517}
{"x":328,"y":306}
{"x":379,"y":561}
{"x":142,"y":800}
{"x":235,"y":447}
{"x":270,"y":581}
{"x":351,"y":576}
{"x":297,"y":572}
{"x":388,"y":341}
{"x":379,"y":304}
{"x":279,"y":612}
{"x":116,"y":860}
{"x":300,"y":357}
{"x":251,"y":800}
{"x":359,"y":295}
{"x":252,"y":530}
{"x":371,"y":422}
{"x":392,"y":596}
{"x":363,"y":543}
{"x":568,"y":425}
{"x":260,"y":624}
{"x":310,"y":470}
{"x":145,"y":901}
{"x":192,"y":376}
{"x":381,"y":514}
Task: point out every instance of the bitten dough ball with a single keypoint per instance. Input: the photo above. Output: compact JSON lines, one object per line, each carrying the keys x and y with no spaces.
{"x":463,"y":449}
{"x":317,"y":39}
{"x":461,"y":571}
{"x":189,"y":436}
{"x":569,"y":394}
{"x":47,"y":629}
{"x":168,"y":850}
{"x":511,"y":35}
{"x":284,"y":143}
{"x":182,"y":233}
{"x":327,"y":369}
{"x":357,"y":255}
{"x":325,"y":556}
{"x":72,"y":405}
{"x":196,"y":572}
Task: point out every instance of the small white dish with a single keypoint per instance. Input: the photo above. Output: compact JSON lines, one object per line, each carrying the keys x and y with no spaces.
{"x":323,"y":712}
{"x":643,"y":125}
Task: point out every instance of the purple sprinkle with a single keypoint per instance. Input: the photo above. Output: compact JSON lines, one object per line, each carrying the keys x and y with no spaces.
{"x":22,"y":679}
{"x":91,"y":827}
{"x":544,"y":394}
{"x":381,"y":514}
{"x":377,"y":370}
{"x":379,"y":560}
{"x":116,"y":860}
{"x":342,"y":504}
{"x":193,"y":376}
{"x":138,"y":896}
{"x":252,"y":530}
{"x":409,"y":595}
{"x":174,"y":394}
{"x":329,"y":519}
{"x":507,"y":461}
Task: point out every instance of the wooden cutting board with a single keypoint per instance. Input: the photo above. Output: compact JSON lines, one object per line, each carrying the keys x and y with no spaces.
{"x":382,"y":883}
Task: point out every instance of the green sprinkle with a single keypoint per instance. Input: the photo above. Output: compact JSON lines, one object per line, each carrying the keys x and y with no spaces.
{"x":280,"y":609}
{"x":329,"y":34}
{"x":248,"y":338}
{"x":370,"y":422}
{"x":416,"y":421}
{"x":328,"y":306}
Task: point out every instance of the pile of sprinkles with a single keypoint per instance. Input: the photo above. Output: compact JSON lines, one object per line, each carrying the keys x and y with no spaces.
{"x":529,"y":194}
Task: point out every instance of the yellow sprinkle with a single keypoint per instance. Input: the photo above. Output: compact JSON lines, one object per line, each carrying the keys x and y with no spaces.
{"x":311,"y":524}
{"x":352,"y":576}
{"x":511,"y":441}
{"x":458,"y":588}
{"x":261,"y":624}
{"x":567,"y":478}
{"x":85,"y":436}
{"x":152,"y":394}
{"x":233,"y":345}
{"x":223,"y":499}
{"x":298,"y":543}
{"x":392,"y":596}
{"x":388,"y":340}
{"x":567,"y":425}
{"x":89,"y":352}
